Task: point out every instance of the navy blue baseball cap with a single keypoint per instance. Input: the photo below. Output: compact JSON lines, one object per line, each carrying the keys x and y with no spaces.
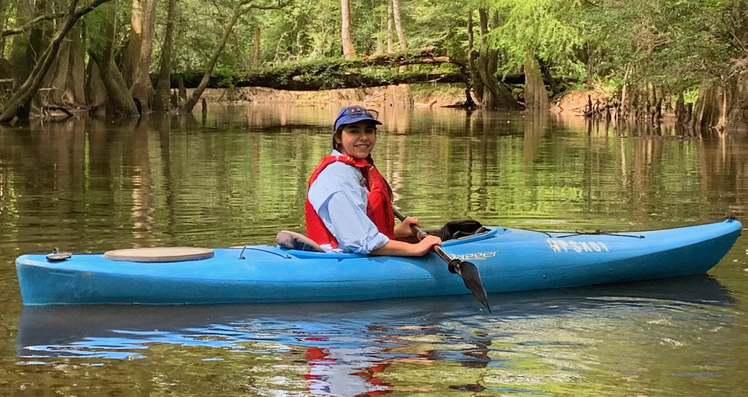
{"x":354,"y":114}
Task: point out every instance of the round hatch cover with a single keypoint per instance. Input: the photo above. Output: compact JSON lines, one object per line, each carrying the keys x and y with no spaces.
{"x":159,"y":254}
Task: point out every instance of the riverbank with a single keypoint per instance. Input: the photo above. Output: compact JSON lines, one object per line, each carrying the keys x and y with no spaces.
{"x":421,"y":95}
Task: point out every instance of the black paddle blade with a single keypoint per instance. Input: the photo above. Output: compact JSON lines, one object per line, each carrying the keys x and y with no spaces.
{"x":471,"y":277}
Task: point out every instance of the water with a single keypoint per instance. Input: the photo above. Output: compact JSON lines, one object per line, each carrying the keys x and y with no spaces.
{"x":238,"y":175}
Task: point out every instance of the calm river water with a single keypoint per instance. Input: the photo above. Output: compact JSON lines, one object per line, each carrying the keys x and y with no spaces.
{"x":238,"y":175}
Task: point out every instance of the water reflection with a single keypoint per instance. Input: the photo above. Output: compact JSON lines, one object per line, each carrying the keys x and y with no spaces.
{"x":238,"y":175}
{"x":179,"y":180}
{"x":348,"y":349}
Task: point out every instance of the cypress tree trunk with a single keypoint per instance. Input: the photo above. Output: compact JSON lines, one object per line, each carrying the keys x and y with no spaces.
{"x":536,"y":95}
{"x":738,"y":114}
{"x":66,"y":77}
{"x":118,"y":99}
{"x":139,"y":49}
{"x":681,"y":113}
{"x":161,"y":100}
{"x":95,"y":90}
{"x":475,"y":82}
{"x":495,"y":94}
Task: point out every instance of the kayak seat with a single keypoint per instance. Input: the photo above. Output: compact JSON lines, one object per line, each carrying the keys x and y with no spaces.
{"x":457,"y":229}
{"x":296,"y":241}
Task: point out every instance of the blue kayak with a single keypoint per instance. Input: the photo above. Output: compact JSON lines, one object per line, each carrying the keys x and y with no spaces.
{"x":508,"y":260}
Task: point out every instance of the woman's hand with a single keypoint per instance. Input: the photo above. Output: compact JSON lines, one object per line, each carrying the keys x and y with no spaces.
{"x":425,"y":246}
{"x":405,"y":229}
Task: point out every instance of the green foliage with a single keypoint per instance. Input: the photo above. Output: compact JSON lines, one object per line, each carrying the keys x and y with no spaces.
{"x":537,"y":28}
{"x":442,"y":24}
{"x":676,"y":44}
{"x":666,"y":43}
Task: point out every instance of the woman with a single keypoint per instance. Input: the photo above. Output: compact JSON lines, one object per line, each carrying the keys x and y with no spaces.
{"x":349,"y":204}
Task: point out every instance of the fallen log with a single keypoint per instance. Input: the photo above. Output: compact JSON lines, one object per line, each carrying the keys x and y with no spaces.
{"x":326,"y":82}
{"x":335,"y":73}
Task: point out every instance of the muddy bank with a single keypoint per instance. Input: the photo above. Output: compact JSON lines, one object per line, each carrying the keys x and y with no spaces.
{"x":413,"y":95}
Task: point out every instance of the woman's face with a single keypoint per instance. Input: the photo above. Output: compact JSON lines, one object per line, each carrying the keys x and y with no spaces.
{"x":357,"y":140}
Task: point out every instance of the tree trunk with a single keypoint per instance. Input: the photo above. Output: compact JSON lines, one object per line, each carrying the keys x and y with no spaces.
{"x":139,"y":49}
{"x":400,"y":94}
{"x":738,"y":114}
{"x":338,"y":73}
{"x":66,"y":78}
{"x":390,"y":43}
{"x":681,"y":114}
{"x":96,"y":91}
{"x":192,"y":101}
{"x":723,"y":105}
{"x":399,"y":25}
{"x":495,"y":94}
{"x":476,"y":84}
{"x":3,"y":19}
{"x":119,"y":101}
{"x":706,"y":110}
{"x":18,"y":104}
{"x":131,"y":52}
{"x":256,"y":47}
{"x":161,"y":100}
{"x":623,"y":114}
{"x":536,"y":95}
{"x":348,"y":50}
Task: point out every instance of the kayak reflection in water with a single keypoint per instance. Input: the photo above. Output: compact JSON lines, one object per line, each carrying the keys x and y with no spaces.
{"x":344,"y":372}
{"x":349,"y":203}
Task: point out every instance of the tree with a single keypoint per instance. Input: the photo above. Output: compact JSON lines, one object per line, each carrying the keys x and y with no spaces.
{"x":241,"y":8}
{"x":105,"y":74}
{"x":137,"y":62}
{"x":492,"y":93}
{"x":65,"y":79}
{"x":399,"y":25}
{"x":669,"y":48}
{"x":161,"y":98}
{"x":535,"y":32}
{"x":26,"y":43}
{"x":19,"y":103}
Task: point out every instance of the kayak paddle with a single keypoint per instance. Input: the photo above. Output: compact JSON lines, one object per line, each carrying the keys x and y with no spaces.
{"x":467,"y":270}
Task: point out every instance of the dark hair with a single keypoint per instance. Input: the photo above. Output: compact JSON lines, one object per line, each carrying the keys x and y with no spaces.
{"x":338,"y":132}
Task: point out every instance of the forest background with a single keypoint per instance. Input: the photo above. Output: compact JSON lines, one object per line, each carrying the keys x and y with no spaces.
{"x":633,"y":59}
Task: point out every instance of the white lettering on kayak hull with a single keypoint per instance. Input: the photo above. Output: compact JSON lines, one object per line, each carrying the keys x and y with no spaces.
{"x":580,"y":247}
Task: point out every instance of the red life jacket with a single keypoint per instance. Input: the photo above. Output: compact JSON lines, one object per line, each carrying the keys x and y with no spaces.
{"x":378,"y":208}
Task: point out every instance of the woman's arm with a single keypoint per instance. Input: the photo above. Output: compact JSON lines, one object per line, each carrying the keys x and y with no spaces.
{"x":402,"y":248}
